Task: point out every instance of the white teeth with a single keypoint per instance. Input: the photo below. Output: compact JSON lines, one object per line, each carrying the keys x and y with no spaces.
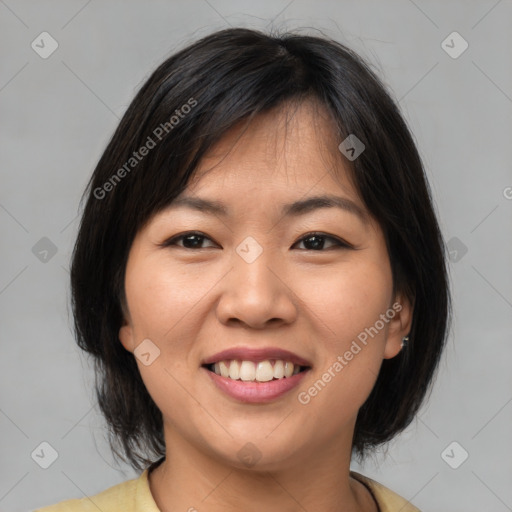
{"x":262,"y":371}
{"x":234,"y":370}
{"x":224,"y":369}
{"x":247,"y":370}
{"x":278,"y":369}
{"x":288,"y":369}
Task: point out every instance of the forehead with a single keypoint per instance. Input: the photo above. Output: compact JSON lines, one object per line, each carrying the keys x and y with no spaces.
{"x":293,"y":148}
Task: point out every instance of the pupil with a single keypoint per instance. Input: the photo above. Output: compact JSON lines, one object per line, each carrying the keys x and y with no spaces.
{"x":319,"y":241}
{"x":188,"y":238}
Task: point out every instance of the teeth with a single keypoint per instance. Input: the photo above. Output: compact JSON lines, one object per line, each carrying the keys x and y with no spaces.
{"x":224,"y":369}
{"x":247,"y":370}
{"x":279,"y":369}
{"x":262,"y":371}
{"x":234,"y":370}
{"x":288,"y":369}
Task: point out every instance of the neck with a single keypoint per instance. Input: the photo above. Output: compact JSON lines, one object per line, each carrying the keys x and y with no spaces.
{"x":189,"y":479}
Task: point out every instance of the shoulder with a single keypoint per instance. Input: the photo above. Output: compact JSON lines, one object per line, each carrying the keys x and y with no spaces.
{"x":387,"y":500}
{"x":130,"y":496}
{"x":135,"y":496}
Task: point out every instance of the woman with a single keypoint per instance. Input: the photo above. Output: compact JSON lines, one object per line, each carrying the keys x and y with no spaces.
{"x":261,"y":280}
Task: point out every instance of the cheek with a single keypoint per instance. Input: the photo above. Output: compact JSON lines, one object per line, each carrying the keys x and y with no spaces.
{"x":163,"y":296}
{"x":347,"y":299}
{"x":167,"y":386}
{"x":348,"y":305}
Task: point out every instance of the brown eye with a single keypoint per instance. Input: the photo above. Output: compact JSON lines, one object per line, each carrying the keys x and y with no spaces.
{"x":316,"y":241}
{"x":312,"y":241}
{"x":191,"y":240}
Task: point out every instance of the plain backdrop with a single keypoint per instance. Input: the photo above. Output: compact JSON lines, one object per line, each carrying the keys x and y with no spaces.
{"x":57,"y":114}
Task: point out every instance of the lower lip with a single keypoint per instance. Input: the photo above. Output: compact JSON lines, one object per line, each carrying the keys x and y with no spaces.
{"x":256,"y":392}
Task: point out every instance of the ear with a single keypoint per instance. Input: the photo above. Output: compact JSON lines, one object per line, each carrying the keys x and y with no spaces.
{"x":126,"y":336}
{"x":399,"y":325}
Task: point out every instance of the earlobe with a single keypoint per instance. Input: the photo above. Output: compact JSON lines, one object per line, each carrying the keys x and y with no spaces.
{"x":126,"y":337}
{"x":399,"y":328}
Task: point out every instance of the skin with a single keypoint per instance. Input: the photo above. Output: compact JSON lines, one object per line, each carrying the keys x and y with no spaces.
{"x":194,"y":302}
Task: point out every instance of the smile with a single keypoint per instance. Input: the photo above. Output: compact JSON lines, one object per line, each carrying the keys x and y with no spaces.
{"x":246,"y":384}
{"x":255,"y":371}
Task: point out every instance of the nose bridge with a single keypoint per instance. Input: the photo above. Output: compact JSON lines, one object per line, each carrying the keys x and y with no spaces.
{"x":255,"y":292}
{"x":253,"y":264}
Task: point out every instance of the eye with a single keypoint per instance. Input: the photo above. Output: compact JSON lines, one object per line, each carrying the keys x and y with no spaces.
{"x":317,"y":241}
{"x":191,"y":240}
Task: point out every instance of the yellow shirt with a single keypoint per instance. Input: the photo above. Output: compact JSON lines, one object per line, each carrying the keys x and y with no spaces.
{"x":135,"y":496}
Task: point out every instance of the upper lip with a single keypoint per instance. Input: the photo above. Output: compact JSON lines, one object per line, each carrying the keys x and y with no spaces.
{"x":256,"y":354}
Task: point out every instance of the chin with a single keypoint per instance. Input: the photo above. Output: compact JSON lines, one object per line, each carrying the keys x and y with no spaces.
{"x":260,"y":454}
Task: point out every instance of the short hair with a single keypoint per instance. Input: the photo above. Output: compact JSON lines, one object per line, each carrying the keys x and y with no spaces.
{"x":186,"y":105}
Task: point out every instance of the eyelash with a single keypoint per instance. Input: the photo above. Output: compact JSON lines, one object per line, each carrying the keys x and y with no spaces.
{"x":341,"y":244}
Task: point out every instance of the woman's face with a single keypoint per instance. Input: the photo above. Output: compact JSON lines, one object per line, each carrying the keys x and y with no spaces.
{"x":254,"y":281}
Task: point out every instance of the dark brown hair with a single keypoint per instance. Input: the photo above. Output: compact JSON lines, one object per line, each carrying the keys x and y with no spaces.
{"x":185,"y":106}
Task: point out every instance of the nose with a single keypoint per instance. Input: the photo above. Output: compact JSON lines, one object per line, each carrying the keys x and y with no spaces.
{"x":257,"y":293}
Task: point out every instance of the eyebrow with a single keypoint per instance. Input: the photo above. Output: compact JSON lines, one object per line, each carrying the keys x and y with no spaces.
{"x":295,"y":209}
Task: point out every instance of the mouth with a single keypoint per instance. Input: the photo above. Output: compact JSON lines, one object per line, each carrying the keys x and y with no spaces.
{"x":256,"y":371}
{"x":253,"y":375}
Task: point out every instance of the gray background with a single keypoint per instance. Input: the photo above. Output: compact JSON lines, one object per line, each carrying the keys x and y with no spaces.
{"x":57,"y":115}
